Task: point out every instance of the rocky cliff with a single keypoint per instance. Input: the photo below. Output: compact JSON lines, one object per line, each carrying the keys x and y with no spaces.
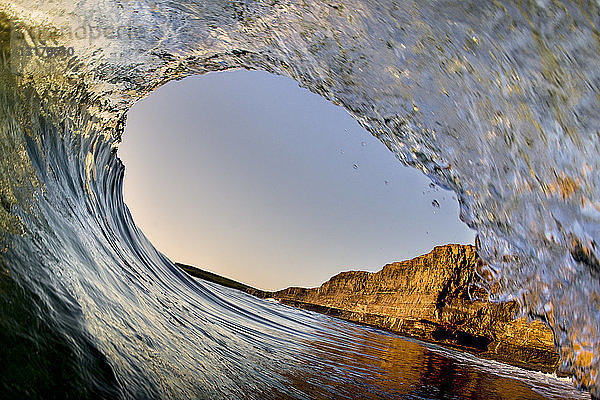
{"x":428,"y":298}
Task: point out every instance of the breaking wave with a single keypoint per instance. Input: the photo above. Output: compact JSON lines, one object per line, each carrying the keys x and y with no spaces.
{"x":496,"y":101}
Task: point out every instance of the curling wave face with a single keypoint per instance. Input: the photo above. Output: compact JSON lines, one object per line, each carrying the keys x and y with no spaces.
{"x":497,"y":101}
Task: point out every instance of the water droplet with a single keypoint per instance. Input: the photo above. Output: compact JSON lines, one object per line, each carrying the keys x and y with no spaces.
{"x":363,"y":144}
{"x":342,"y":151}
{"x":355,"y":166}
{"x":435,"y":203}
{"x":386,"y":182}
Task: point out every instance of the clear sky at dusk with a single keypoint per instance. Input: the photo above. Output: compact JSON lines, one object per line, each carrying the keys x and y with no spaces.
{"x":247,"y":175}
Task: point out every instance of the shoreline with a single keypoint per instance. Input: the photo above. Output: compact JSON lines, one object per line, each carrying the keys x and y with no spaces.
{"x":425,"y":298}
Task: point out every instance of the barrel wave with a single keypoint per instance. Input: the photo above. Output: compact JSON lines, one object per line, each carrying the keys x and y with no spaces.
{"x":496,"y":101}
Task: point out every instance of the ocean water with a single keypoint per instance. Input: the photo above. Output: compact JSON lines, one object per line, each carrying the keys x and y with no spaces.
{"x":496,"y":101}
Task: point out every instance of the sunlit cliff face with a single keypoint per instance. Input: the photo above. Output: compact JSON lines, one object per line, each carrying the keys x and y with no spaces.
{"x":496,"y":102}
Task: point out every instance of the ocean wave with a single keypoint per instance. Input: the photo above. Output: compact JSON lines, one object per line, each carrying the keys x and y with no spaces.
{"x":495,"y":101}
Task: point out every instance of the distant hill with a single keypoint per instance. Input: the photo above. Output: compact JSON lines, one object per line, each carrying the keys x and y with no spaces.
{"x":221,"y":280}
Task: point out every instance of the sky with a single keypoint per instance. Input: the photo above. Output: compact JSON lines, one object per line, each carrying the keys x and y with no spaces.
{"x":245,"y":174}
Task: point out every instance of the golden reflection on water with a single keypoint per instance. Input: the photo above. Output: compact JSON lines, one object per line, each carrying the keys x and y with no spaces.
{"x":368,"y":364}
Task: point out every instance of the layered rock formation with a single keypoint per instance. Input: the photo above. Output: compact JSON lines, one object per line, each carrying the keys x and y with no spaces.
{"x":428,"y":298}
